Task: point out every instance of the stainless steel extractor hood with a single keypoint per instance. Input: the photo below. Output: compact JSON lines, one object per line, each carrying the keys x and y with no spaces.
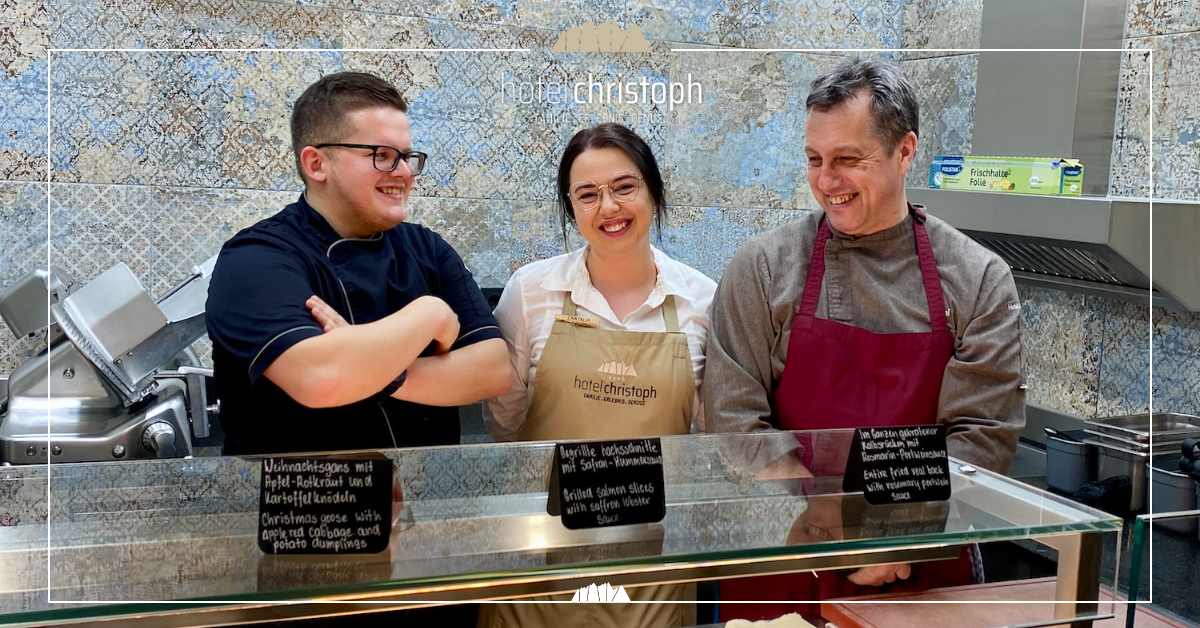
{"x":1064,"y":104}
{"x":1094,"y":245}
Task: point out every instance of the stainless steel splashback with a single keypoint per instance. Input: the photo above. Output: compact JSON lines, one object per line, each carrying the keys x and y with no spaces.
{"x":1036,"y":103}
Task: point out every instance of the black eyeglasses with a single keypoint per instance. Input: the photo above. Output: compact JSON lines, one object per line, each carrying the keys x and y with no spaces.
{"x":386,"y":158}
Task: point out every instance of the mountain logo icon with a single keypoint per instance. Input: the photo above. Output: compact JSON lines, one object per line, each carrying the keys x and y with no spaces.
{"x":617,"y":368}
{"x":608,"y":37}
{"x":602,"y":593}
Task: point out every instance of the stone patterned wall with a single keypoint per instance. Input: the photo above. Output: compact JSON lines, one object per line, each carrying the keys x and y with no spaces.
{"x":158,"y":157}
{"x":1089,"y":356}
{"x":1170,"y":29}
{"x":24,"y":38}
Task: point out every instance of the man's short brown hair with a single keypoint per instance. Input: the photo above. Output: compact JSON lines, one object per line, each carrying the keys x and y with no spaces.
{"x":320,"y":113}
{"x":894,"y":109}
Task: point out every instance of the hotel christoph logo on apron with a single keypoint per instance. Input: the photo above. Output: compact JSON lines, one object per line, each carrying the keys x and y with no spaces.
{"x":607,"y":383}
{"x":613,"y":385}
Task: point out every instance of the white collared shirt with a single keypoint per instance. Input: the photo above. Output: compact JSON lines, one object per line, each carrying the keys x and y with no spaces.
{"x":534,"y":295}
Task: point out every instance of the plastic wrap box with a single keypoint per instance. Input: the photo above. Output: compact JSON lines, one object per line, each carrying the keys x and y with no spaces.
{"x":1021,"y":175}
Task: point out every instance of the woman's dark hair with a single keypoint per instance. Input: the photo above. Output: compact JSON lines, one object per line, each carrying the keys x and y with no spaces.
{"x":611,"y":135}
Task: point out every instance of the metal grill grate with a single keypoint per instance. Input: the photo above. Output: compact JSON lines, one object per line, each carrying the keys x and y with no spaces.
{"x":1057,"y":261}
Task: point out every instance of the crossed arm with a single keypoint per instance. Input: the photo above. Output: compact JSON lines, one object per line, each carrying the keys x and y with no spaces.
{"x":349,"y":363}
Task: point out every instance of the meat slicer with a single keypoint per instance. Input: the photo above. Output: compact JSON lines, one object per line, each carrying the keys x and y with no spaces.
{"x":119,"y":379}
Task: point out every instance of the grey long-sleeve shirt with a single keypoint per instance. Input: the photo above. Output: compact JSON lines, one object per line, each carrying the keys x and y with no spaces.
{"x":872,"y":282}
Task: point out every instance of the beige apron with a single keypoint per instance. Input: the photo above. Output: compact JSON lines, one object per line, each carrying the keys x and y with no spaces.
{"x":592,"y":384}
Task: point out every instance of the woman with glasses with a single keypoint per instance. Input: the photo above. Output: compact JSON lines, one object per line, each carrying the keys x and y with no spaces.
{"x":607,"y":341}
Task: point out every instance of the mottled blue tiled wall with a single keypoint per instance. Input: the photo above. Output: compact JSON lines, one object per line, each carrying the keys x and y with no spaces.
{"x":24,"y":38}
{"x":1163,"y":85}
{"x":158,"y":157}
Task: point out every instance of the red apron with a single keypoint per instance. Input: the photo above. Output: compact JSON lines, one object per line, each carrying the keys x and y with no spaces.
{"x":847,"y":377}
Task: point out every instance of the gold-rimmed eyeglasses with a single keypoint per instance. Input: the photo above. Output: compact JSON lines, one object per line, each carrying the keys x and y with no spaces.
{"x":586,"y":195}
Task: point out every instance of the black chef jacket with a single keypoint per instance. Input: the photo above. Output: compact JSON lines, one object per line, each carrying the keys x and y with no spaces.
{"x":256,"y":311}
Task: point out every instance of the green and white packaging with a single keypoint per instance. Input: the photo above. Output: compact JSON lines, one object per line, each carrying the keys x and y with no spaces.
{"x":1021,"y":175}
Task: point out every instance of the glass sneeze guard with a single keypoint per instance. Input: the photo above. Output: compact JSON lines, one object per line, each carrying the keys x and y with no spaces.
{"x":474,"y":526}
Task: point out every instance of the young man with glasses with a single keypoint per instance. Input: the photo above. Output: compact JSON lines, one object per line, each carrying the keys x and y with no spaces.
{"x":334,"y":324}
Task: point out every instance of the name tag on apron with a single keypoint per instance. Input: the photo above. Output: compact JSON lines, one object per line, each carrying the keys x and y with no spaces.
{"x":578,"y":321}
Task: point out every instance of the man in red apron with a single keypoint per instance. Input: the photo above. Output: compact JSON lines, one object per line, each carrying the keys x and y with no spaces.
{"x":868,"y":313}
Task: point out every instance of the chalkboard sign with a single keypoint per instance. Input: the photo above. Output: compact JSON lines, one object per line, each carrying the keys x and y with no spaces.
{"x":325,"y":505}
{"x":607,"y":483}
{"x":897,"y":465}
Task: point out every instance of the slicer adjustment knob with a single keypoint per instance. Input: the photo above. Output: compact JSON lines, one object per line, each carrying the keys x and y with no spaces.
{"x":159,"y":439}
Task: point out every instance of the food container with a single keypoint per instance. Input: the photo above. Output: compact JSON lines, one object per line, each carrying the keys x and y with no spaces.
{"x":1116,"y":461}
{"x":1126,"y":443}
{"x":1166,"y":426}
{"x":1173,"y":491}
{"x":1069,"y":464}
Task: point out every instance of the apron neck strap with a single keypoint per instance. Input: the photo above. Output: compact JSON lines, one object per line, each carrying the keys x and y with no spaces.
{"x":929,"y":272}
{"x":816,"y":271}
{"x":670,"y":316}
{"x":934,"y":298}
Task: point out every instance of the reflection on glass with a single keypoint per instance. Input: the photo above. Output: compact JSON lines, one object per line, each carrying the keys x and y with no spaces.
{"x":472,"y":514}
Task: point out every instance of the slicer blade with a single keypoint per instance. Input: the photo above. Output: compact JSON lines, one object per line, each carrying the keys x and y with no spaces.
{"x":119,"y":381}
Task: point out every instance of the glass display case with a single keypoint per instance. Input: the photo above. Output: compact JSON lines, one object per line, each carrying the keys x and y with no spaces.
{"x":1164,"y":551}
{"x":114,"y":539}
